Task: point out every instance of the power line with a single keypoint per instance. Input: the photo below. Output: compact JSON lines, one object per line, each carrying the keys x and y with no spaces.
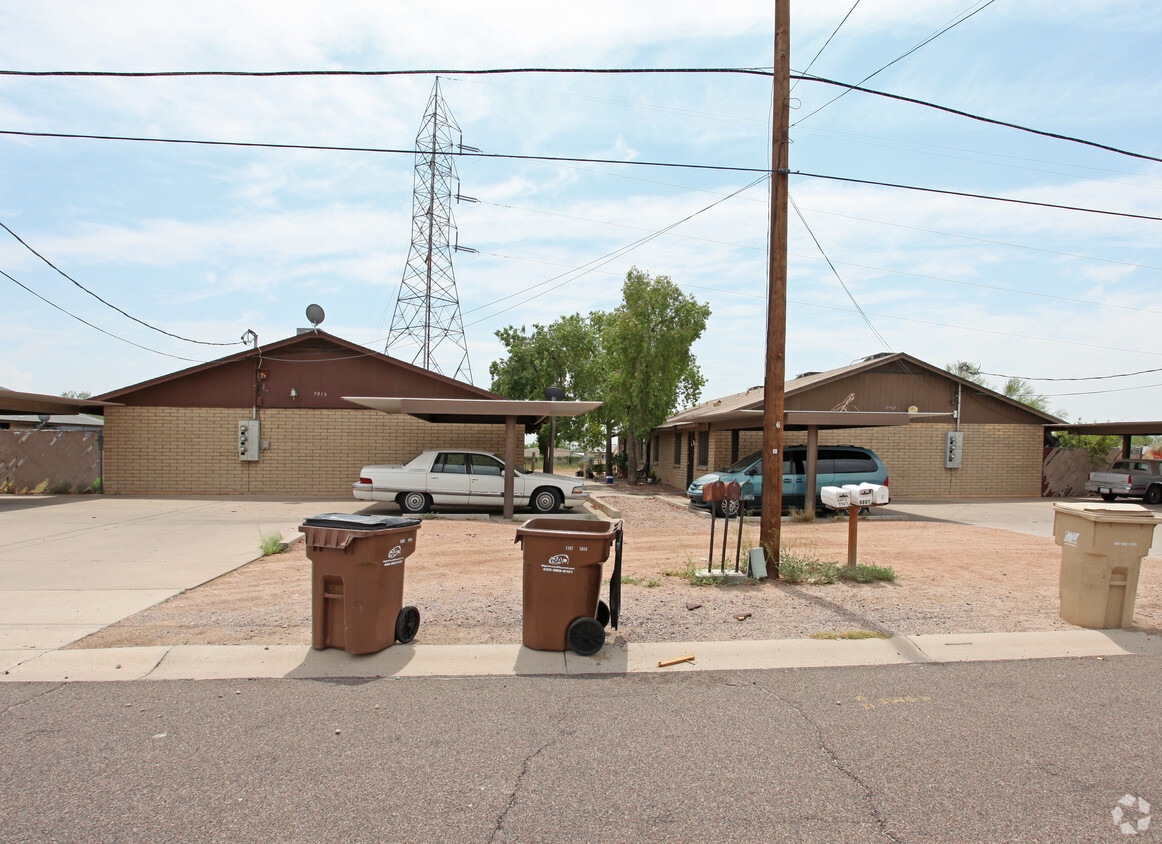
{"x":1097,"y":392}
{"x":61,"y":272}
{"x":977,"y":196}
{"x":86,"y":322}
{"x":850,"y":296}
{"x":153,"y":74}
{"x":383,"y":150}
{"x":828,"y":41}
{"x":763,"y":72}
{"x":982,"y":119}
{"x":1085,"y":378}
{"x":596,"y":263}
{"x":923,"y":43}
{"x":551,"y":158}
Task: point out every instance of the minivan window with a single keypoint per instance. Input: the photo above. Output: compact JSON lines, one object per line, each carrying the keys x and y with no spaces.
{"x":744,"y":463}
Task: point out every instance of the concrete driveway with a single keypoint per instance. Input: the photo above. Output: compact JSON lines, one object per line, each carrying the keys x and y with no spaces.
{"x":71,"y":565}
{"x":1024,"y":515}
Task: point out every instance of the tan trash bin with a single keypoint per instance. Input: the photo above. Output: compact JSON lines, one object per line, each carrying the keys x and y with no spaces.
{"x":1102,"y":546}
{"x":357,"y":581}
{"x":562,"y":581}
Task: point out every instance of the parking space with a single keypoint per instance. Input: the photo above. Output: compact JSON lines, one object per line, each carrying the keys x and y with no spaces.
{"x":71,"y":565}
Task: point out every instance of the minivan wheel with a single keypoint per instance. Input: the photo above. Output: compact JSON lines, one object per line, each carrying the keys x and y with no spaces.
{"x":729,"y":509}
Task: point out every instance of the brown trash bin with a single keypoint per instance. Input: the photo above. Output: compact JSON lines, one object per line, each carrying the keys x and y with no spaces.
{"x":357,"y":574}
{"x":562,"y":581}
{"x":1102,"y":546}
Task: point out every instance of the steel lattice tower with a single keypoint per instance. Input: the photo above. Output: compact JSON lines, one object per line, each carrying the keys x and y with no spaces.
{"x":427,"y":328}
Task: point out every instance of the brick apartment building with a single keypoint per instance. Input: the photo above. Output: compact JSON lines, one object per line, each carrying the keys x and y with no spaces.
{"x":1002,"y":438}
{"x":180,"y":433}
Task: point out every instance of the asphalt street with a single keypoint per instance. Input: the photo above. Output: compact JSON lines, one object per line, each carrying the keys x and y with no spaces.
{"x":1028,"y":751}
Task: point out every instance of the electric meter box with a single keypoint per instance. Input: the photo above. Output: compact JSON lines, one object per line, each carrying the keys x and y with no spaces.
{"x":249,"y":439}
{"x":861,"y":495}
{"x":835,"y":497}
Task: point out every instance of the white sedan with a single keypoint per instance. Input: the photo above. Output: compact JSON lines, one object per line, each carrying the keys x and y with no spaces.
{"x":464,"y":478}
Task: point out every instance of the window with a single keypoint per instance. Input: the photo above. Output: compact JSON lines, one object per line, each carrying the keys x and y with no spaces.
{"x":852,"y":464}
{"x":677,"y":449}
{"x":484,"y":465}
{"x":703,"y":448}
{"x":451,"y":463}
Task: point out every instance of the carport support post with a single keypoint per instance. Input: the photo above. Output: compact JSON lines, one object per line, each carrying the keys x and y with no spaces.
{"x":509,"y":463}
{"x":1126,"y":446}
{"x":812,"y":468}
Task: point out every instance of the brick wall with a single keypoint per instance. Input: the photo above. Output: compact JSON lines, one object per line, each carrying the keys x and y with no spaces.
{"x":167,"y":450}
{"x":998,"y":460}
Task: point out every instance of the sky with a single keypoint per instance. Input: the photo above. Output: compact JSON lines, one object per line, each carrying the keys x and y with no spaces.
{"x":209,"y":242}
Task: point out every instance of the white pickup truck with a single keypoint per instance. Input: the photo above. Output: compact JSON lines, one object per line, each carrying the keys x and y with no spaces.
{"x":1135,"y":478}
{"x":464,"y":478}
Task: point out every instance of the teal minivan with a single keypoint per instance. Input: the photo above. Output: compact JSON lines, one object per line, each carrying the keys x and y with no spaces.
{"x":836,"y":465}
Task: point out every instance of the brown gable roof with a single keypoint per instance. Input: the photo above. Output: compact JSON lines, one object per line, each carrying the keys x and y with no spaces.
{"x":319,"y":368}
{"x":729,"y":407}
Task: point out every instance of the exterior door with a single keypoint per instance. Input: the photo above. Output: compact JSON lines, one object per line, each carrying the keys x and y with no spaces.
{"x":485,"y":481}
{"x":448,"y":480}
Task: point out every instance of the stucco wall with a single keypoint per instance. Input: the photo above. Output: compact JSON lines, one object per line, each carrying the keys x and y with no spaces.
{"x":168,"y":450}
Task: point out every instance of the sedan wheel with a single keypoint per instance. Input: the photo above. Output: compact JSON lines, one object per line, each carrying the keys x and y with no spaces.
{"x":546,"y":501}
{"x":414,"y":502}
{"x":1153,"y":495}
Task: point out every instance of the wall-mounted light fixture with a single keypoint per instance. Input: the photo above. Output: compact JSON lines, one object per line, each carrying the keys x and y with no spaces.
{"x":294,"y":393}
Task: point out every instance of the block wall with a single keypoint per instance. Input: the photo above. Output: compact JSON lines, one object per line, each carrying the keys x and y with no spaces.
{"x":998,"y":460}
{"x":170,"y":450}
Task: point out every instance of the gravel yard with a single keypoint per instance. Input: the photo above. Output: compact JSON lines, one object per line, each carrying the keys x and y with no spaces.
{"x":465,"y":578}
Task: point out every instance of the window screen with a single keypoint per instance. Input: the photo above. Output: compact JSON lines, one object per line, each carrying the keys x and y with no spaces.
{"x":703,"y":448}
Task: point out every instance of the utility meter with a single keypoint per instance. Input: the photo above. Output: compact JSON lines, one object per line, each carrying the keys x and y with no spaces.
{"x":248,"y":439}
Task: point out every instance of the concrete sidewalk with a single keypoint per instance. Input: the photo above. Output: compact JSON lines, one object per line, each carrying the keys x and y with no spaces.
{"x":223,"y":662}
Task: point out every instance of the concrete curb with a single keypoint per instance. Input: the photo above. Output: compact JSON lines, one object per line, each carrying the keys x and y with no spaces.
{"x":227,"y":662}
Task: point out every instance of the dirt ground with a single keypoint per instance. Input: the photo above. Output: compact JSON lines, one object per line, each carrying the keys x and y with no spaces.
{"x":465,"y":578}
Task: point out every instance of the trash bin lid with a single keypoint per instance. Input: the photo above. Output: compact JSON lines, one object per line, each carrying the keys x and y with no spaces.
{"x":357,"y":521}
{"x":1105,"y":512}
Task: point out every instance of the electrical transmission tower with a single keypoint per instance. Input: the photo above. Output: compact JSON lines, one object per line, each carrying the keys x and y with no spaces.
{"x":427,"y":328}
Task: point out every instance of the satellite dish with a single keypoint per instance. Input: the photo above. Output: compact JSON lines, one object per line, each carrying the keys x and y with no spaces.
{"x":315,"y":315}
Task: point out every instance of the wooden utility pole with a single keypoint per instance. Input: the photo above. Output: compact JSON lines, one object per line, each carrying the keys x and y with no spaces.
{"x":773,"y":403}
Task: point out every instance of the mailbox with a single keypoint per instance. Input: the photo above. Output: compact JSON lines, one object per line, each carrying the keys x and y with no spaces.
{"x":881,"y":494}
{"x":861,"y":495}
{"x":835,"y":497}
{"x":714,"y":491}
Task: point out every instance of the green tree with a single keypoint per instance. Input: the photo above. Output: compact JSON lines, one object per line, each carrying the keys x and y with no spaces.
{"x":647,"y":358}
{"x":967,"y":370}
{"x":1021,"y":390}
{"x":564,"y":354}
{"x":77,"y":394}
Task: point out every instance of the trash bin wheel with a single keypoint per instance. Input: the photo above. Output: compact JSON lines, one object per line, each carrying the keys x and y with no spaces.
{"x":603,"y":613}
{"x":406,"y":625}
{"x":585,"y":636}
